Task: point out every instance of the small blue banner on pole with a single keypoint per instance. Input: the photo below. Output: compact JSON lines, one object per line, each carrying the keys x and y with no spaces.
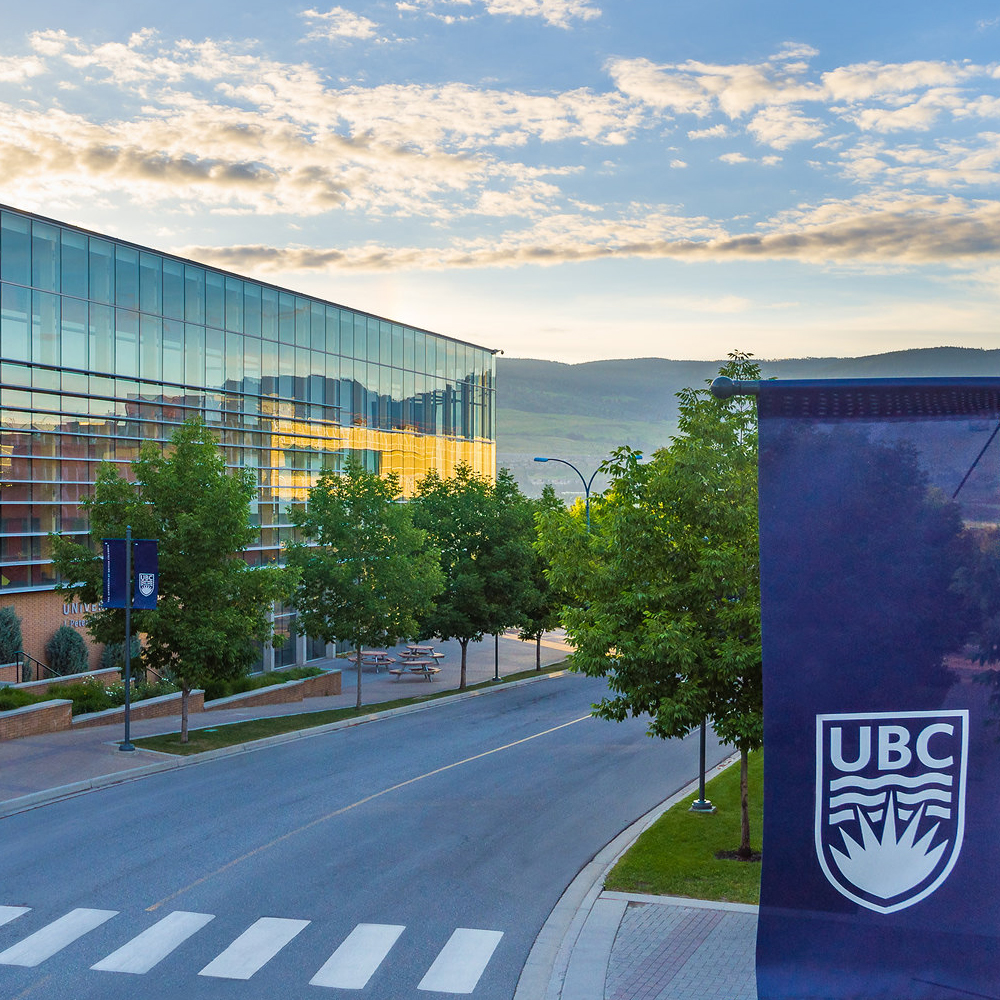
{"x":145,"y":567}
{"x":880,"y":616}
{"x":116,"y":584}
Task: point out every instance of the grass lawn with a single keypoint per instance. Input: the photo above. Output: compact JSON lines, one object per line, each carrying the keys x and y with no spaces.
{"x":232,"y":734}
{"x":676,"y":855}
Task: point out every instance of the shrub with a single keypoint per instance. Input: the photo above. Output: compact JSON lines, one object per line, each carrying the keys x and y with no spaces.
{"x":66,"y":652}
{"x":10,"y":635}
{"x":11,"y":698}
{"x":223,"y":689}
{"x":113,"y":658}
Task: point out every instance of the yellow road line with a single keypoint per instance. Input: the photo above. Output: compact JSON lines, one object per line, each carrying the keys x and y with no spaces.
{"x":354,"y":805}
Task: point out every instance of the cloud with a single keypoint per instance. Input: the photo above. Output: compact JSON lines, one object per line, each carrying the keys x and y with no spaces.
{"x":714,"y":132}
{"x":337,"y":24}
{"x":904,"y":232}
{"x":218,"y":125}
{"x":780,"y":127}
{"x":558,"y":13}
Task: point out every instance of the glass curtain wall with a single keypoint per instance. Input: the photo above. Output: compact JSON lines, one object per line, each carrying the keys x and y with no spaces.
{"x":104,"y":345}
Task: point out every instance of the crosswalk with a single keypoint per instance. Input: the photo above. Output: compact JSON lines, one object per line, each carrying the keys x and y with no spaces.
{"x":456,"y":969}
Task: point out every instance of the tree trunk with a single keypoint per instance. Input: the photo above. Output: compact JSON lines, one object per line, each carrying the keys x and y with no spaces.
{"x":744,"y":851}
{"x":538,"y":651}
{"x":464,"y":643}
{"x":358,"y":651}
{"x":185,"y":691}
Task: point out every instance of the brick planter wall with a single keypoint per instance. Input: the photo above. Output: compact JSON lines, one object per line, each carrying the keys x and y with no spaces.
{"x":323,"y":686}
{"x":8,"y":673}
{"x":105,"y":677}
{"x":277,"y":694}
{"x":46,"y":717}
{"x":151,"y":708}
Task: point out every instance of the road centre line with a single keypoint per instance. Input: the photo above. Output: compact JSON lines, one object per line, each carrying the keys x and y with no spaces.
{"x":355,"y":805}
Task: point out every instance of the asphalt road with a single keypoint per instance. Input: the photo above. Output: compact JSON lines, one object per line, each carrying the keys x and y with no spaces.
{"x":413,"y":856}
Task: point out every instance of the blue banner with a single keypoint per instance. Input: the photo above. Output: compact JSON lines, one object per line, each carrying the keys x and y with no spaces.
{"x":116,"y":584}
{"x":880,"y":608}
{"x":145,"y":583}
{"x":145,"y":573}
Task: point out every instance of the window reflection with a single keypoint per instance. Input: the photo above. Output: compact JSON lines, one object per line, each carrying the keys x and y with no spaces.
{"x":105,"y":345}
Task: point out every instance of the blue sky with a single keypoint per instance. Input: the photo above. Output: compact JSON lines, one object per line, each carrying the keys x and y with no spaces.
{"x":565,"y":179}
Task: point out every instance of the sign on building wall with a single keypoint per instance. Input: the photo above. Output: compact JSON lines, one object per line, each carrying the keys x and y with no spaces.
{"x":880,"y":575}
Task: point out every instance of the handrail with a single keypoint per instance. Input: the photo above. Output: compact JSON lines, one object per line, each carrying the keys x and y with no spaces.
{"x":24,"y":663}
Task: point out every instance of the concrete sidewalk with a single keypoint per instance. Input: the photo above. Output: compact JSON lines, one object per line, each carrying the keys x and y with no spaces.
{"x":599,"y":945}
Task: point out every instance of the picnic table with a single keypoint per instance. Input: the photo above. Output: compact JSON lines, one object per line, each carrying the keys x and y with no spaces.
{"x":373,"y":658}
{"x":420,"y":652}
{"x":420,"y":668}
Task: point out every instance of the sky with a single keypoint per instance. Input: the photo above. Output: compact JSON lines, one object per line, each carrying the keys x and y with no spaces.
{"x":561,"y":179}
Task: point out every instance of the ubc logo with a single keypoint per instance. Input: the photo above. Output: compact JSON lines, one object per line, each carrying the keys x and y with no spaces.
{"x":146,"y":583}
{"x":890,"y":803}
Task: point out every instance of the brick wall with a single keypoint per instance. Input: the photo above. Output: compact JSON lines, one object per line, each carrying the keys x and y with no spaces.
{"x":47,"y":717}
{"x":153,"y":708}
{"x":279,"y":694}
{"x":322,"y":686}
{"x":42,"y":613}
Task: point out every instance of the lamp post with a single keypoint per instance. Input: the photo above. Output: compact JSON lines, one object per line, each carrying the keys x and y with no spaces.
{"x":586,"y":482}
{"x":701,"y":804}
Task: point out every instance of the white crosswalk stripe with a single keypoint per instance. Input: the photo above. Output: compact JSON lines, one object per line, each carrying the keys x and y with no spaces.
{"x":457,"y":969}
{"x":9,"y":913}
{"x":355,"y":961}
{"x":44,"y":943}
{"x":254,"y":948}
{"x":155,"y":943}
{"x":461,"y":962}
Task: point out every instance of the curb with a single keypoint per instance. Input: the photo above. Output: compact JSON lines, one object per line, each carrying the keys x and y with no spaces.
{"x":569,"y":959}
{"x":34,"y":799}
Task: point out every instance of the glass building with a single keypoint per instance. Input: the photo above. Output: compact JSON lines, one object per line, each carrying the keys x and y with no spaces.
{"x":105,"y":344}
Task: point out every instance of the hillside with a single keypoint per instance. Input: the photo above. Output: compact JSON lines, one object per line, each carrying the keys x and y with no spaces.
{"x":581,"y":412}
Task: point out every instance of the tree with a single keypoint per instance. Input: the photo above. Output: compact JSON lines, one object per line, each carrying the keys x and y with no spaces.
{"x":66,"y":652}
{"x":484,"y":532}
{"x":11,"y":642}
{"x":665,"y":595}
{"x":212,"y":606}
{"x":543,"y":602}
{"x":365,"y":572}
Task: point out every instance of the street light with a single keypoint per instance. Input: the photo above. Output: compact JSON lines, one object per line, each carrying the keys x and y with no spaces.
{"x":586,"y":482}
{"x":701,"y":804}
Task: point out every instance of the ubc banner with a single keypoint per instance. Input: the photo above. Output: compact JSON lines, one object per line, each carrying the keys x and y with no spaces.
{"x":144,"y":585}
{"x":880,"y":608}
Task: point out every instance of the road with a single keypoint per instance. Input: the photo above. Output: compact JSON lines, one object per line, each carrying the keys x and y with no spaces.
{"x":413,"y":856}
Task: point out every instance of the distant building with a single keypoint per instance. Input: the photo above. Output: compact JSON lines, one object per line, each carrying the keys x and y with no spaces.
{"x":105,"y":344}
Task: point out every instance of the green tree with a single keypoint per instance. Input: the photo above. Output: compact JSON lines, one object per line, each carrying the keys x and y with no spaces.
{"x":543,"y":603}
{"x":212,"y":606}
{"x":11,"y":642}
{"x":365,"y":572}
{"x":66,"y":652}
{"x":665,"y":595}
{"x":485,"y":533}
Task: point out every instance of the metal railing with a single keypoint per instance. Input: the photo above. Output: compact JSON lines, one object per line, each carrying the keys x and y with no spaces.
{"x":30,"y":669}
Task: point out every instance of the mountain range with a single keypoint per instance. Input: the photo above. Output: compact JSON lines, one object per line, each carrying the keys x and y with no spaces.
{"x":581,"y":412}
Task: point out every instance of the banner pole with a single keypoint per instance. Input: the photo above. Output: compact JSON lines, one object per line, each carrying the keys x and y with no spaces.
{"x":127,"y":745}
